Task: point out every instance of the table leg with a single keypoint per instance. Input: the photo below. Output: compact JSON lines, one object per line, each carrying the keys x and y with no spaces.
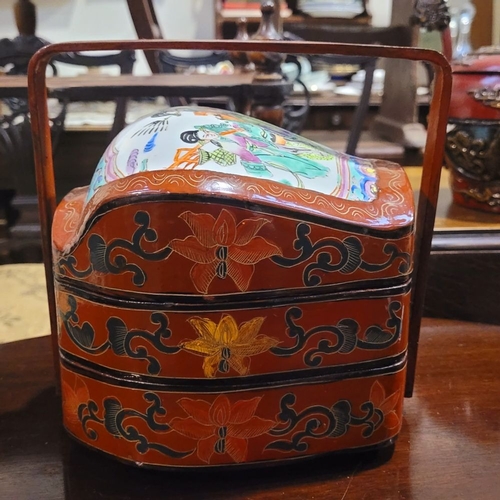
{"x":397,"y":118}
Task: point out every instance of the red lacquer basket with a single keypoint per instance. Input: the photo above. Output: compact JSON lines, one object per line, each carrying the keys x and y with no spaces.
{"x":204,"y":318}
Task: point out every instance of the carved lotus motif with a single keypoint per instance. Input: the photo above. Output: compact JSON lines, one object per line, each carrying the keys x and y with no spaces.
{"x":387,"y":405}
{"x":73,"y":397}
{"x":221,"y":248}
{"x":221,"y":427}
{"x":226,"y":345}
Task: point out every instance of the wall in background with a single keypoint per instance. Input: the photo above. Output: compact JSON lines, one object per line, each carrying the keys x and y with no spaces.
{"x":70,"y":20}
{"x":380,"y":11}
{"x":66,"y":20}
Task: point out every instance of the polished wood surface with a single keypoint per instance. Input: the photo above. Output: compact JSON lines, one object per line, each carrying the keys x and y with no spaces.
{"x":449,"y":447}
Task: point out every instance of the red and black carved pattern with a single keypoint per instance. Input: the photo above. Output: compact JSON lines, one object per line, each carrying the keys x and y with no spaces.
{"x":115,"y":420}
{"x":335,"y":255}
{"x":103,"y":258}
{"x":343,"y":337}
{"x":121,"y":340}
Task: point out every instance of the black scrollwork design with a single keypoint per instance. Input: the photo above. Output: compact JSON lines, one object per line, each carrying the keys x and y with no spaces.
{"x":377,"y":338}
{"x":343,"y":256}
{"x":104,"y":258}
{"x":320,"y":422}
{"x":345,"y":333}
{"x":119,"y":337}
{"x":116,"y":422}
{"x":82,"y":336}
{"x":87,"y":412}
{"x":372,"y":418}
{"x":67,"y":265}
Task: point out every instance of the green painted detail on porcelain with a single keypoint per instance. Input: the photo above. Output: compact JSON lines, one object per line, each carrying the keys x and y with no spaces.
{"x":207,"y":139}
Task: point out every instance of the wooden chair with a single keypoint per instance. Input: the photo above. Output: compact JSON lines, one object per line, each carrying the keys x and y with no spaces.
{"x":147,"y":27}
{"x":368,"y":64}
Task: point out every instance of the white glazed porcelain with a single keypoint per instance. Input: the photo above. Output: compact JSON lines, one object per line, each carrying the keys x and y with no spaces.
{"x":188,"y":138}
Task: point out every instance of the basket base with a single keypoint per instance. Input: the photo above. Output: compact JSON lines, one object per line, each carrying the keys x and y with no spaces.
{"x":379,"y":453}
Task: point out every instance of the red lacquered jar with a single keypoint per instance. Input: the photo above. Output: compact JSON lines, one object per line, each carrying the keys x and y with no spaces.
{"x":474,"y":139}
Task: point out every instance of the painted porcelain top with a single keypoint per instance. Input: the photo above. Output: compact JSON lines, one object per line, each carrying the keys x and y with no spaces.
{"x":187,"y":138}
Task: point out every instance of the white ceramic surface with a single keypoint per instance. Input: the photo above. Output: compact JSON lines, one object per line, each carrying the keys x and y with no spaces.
{"x":217,"y":140}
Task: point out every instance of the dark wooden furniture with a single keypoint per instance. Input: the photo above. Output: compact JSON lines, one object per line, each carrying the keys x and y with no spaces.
{"x":88,"y":87}
{"x":465,"y":260}
{"x":25,"y":231}
{"x":16,"y":161}
{"x":449,"y":446}
{"x":124,"y":86}
{"x":267,"y":96}
{"x":131,"y":86}
{"x":397,"y":120}
{"x":147,"y":27}
{"x":270,"y":25}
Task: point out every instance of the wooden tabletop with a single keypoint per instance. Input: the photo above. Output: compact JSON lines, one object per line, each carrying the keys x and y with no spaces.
{"x":449,"y":447}
{"x":110,"y":87}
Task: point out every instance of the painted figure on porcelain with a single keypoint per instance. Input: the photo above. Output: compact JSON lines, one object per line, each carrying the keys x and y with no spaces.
{"x":222,"y":141}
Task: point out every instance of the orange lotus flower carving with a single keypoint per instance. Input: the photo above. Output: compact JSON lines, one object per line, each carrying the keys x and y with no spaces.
{"x":220,"y":248}
{"x":72,"y":398}
{"x":226,"y":346}
{"x":221,"y":427}
{"x":387,"y":405}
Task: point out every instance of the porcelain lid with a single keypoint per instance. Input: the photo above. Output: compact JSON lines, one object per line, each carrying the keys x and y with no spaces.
{"x":204,"y":139}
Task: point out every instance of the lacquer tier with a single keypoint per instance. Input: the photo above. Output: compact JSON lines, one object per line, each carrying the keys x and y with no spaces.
{"x":169,"y":241}
{"x":234,"y":339}
{"x":167,"y":425}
